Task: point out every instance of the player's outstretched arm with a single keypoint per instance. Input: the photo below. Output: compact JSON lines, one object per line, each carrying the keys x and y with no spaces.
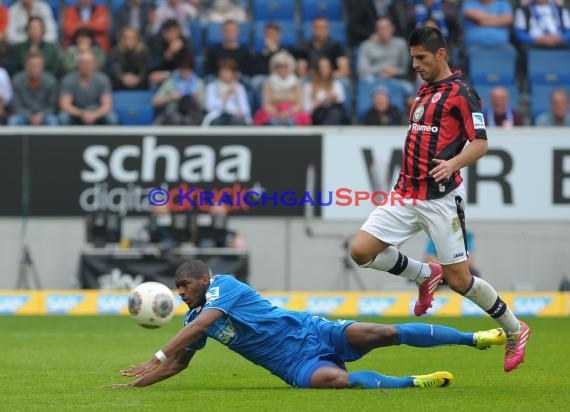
{"x":445,"y":168}
{"x":172,"y":366}
{"x":187,"y":335}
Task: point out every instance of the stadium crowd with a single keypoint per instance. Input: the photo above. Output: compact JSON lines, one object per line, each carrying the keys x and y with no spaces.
{"x":272,"y":62}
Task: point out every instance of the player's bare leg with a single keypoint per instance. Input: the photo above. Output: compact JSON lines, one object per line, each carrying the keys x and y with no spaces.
{"x":370,"y":252}
{"x":486,"y":297}
{"x":330,"y":377}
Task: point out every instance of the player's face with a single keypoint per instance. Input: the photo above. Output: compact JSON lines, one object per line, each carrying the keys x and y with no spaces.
{"x":427,"y":64}
{"x":191,"y":290}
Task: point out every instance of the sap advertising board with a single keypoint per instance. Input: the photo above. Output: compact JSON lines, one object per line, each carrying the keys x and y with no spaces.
{"x":524,"y":176}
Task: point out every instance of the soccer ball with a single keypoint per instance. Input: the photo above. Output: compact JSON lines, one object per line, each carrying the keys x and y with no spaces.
{"x":151,"y":304}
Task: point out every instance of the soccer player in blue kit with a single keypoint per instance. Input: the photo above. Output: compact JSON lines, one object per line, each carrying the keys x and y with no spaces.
{"x":304,"y":350}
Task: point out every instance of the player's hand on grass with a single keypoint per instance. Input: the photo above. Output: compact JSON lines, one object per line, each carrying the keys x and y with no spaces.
{"x":443,"y":170}
{"x":120,"y":385}
{"x":142,"y":369}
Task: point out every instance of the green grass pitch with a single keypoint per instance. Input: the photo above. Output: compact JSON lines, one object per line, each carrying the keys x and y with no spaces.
{"x":63,"y":363}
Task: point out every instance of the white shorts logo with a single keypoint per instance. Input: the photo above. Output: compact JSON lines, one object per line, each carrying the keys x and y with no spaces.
{"x":478,"y":120}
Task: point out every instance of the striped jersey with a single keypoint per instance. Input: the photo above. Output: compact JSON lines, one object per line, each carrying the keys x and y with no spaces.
{"x":444,"y":116}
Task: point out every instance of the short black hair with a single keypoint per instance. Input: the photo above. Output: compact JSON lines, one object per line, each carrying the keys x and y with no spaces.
{"x":192,"y":268}
{"x":429,"y":38}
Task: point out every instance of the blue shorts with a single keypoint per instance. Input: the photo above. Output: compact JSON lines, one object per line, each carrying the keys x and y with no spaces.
{"x":325,"y":345}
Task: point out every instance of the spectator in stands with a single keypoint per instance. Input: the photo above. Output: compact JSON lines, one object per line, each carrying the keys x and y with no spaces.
{"x":226,"y":98}
{"x":229,"y":49}
{"x":282,"y":95}
{"x":6,"y":94}
{"x":134,"y":14}
{"x":166,"y":49}
{"x":363,"y":14}
{"x":543,"y":23}
{"x":441,"y":12}
{"x":382,"y":112}
{"x":321,"y":44}
{"x":129,"y":61}
{"x":36,"y":42}
{"x":35,"y":94}
{"x":223,"y":10}
{"x":85,"y":97}
{"x":324,"y":96}
{"x":3,"y":29}
{"x":272,"y":45}
{"x":86,"y":14}
{"x":181,"y":96}
{"x":500,"y":113}
{"x":558,"y":114}
{"x":385,"y":57}
{"x":19,"y":14}
{"x":487,"y":23}
{"x":83,"y":40}
{"x":181,"y":11}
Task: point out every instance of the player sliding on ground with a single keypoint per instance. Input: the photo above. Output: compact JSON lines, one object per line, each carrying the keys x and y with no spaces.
{"x":304,"y":350}
{"x":445,"y":114}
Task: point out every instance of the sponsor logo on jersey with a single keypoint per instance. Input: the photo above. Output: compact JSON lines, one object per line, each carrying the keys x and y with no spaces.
{"x":418,"y":113}
{"x":374,"y":306}
{"x":9,"y":305}
{"x":530,"y":306}
{"x":436,"y":97}
{"x":62,"y":303}
{"x":111,"y":303}
{"x":227,"y":333}
{"x":212,"y":294}
{"x":458,"y":254}
{"x":423,"y":128}
{"x":478,"y":120}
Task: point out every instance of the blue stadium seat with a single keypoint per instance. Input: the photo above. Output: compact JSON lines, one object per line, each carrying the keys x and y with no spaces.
{"x":133,"y":107}
{"x":548,"y":66}
{"x":364,"y":96}
{"x":484,"y":91}
{"x":273,"y":10}
{"x":331,"y":9}
{"x":197,"y":33}
{"x":67,"y":3}
{"x":116,"y":5}
{"x":289,"y":34}
{"x":55,"y":8}
{"x":493,"y":67}
{"x":540,"y":98}
{"x":337,"y":30}
{"x":214,"y":34}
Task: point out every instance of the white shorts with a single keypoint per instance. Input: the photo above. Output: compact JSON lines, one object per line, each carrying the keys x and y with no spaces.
{"x":440,"y":219}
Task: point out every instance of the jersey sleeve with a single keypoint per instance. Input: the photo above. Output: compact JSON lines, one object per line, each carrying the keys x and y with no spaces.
{"x":223,"y":294}
{"x":471,"y":114}
{"x":200,"y":343}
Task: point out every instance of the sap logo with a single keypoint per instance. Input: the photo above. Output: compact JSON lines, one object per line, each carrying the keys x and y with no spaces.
{"x":374,"y":306}
{"x":324,"y":305}
{"x":530,"y":306}
{"x":111,"y":303}
{"x":469,"y":308}
{"x":62,"y":303}
{"x":10,"y":304}
{"x":460,"y":254}
{"x":279,"y":301}
{"x":119,"y":280}
{"x":436,"y":305}
{"x":227,"y":333}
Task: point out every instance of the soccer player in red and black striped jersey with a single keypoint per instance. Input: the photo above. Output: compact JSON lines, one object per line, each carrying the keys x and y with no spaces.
{"x":445,"y":116}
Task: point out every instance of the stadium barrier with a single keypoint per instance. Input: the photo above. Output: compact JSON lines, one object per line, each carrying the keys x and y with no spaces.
{"x":342,"y":304}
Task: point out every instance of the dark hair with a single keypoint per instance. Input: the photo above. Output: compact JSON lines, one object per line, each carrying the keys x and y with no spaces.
{"x":429,"y":38}
{"x":228,"y":63}
{"x":273,"y":26}
{"x":230,"y":21}
{"x":35,"y":18}
{"x":169,"y":24}
{"x":186,"y":61}
{"x":84,"y":32}
{"x":192,"y":268}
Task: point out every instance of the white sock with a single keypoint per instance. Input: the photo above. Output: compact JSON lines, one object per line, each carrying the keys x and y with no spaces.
{"x":392,"y":261}
{"x":486,"y":297}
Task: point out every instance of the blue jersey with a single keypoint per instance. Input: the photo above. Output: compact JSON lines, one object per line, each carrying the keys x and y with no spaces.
{"x":284,"y":342}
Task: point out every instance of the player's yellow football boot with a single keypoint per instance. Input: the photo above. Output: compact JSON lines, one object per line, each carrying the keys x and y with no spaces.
{"x":486,"y":338}
{"x":433,"y":380}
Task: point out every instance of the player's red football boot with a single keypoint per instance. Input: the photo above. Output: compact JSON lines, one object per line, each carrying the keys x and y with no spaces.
{"x":427,"y":289}
{"x":515,"y":347}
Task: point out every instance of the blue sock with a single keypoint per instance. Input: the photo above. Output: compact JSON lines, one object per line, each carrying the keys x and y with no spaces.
{"x":422,"y":335}
{"x":374,"y":380}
